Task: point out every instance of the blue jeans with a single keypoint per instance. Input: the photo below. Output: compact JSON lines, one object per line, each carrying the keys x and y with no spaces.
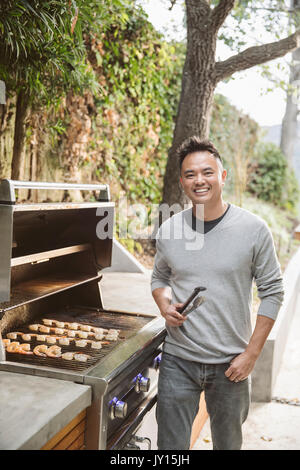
{"x":179,"y":387}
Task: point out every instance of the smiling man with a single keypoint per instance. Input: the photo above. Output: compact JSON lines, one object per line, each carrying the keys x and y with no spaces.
{"x":213,"y":348}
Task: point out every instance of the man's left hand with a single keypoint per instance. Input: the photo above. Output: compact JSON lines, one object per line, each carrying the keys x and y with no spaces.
{"x":240,"y":367}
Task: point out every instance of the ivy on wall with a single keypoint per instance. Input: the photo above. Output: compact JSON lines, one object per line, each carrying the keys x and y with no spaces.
{"x":134,"y":119}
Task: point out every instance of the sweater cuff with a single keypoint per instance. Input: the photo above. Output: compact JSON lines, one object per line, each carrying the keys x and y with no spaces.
{"x":269,"y":309}
{"x":158,"y":284}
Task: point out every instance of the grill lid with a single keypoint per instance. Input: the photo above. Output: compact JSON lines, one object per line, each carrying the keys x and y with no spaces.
{"x":33,"y":233}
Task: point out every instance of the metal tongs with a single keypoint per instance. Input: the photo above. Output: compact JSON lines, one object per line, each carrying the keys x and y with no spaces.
{"x":197,"y":301}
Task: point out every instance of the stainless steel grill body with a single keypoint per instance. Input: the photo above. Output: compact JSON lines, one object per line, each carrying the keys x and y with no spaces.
{"x":51,"y":261}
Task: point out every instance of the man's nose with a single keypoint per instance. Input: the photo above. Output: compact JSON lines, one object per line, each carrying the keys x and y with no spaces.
{"x":199,"y":178}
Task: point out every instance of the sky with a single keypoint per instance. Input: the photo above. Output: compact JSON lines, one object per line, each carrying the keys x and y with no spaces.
{"x":248,"y":90}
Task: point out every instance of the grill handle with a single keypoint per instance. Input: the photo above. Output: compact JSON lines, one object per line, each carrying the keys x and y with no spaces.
{"x":8,"y":187}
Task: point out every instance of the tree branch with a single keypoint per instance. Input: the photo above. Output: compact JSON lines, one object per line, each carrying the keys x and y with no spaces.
{"x":256,"y":55}
{"x":220,"y":12}
{"x":172,"y":4}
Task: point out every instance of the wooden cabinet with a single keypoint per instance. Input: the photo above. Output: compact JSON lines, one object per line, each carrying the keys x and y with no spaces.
{"x":71,"y":437}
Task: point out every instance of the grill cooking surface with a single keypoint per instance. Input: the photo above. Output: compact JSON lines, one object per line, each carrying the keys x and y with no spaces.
{"x":126,"y":323}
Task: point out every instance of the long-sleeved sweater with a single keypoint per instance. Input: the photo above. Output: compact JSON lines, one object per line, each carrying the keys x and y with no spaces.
{"x":226,"y":260}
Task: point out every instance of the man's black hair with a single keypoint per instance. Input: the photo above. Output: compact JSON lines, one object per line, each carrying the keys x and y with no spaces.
{"x":195,"y":144}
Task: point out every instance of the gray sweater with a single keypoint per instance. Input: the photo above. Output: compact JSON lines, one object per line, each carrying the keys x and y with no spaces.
{"x":225,"y":260}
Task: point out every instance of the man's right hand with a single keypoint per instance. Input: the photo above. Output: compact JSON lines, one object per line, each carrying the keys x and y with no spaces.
{"x":162,"y":297}
{"x":172,"y":316}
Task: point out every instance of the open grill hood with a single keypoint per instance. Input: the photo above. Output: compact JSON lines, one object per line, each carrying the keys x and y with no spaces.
{"x":33,"y":233}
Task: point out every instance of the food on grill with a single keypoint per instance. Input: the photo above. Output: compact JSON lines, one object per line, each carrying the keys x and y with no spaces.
{"x":34,"y":327}
{"x":50,"y":339}
{"x":26,"y":337}
{"x":99,"y":331}
{"x":53,"y":332}
{"x":99,"y":336}
{"x":81,"y":343}
{"x":12,"y":335}
{"x":63,"y":333}
{"x":85,"y":327}
{"x":64,"y":341}
{"x":53,"y":351}
{"x":111,"y":338}
{"x":40,"y":350}
{"x":113,"y":331}
{"x":96,"y":345}
{"x":74,"y":329}
{"x":16,"y":347}
{"x":112,"y":335}
{"x":13,"y":347}
{"x":68,"y":356}
{"x":24,"y":349}
{"x":44,"y":329}
{"x":59,"y":331}
{"x":82,"y":334}
{"x":41,"y":337}
{"x":47,"y":322}
{"x":81,"y":357}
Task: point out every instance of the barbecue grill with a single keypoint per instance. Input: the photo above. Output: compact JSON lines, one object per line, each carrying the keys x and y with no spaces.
{"x":51,"y":261}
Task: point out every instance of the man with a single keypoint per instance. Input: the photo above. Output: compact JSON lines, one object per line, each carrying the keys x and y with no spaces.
{"x":212,"y":349}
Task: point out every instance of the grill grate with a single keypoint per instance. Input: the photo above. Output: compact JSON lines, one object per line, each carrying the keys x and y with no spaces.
{"x":127,"y":324}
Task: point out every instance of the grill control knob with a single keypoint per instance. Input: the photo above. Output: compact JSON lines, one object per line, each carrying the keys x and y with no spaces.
{"x":142,"y":384}
{"x":118,"y":408}
{"x":156,"y":362}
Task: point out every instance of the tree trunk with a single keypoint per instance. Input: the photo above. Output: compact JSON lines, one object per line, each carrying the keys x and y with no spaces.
{"x":19,"y":135}
{"x":197,"y":91}
{"x":7,"y":121}
{"x":289,"y":123}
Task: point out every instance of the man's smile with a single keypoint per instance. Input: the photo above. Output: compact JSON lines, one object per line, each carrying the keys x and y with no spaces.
{"x":201,"y":191}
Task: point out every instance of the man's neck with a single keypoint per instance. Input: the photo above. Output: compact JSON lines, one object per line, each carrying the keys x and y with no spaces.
{"x":210,"y":213}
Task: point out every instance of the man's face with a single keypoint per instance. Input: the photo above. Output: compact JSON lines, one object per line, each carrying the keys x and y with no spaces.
{"x":202,"y":178}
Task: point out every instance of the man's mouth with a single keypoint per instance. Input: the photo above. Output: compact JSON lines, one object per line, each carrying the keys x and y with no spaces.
{"x":201,"y":191}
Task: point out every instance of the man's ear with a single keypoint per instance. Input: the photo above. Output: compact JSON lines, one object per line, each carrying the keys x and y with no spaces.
{"x":224,"y":176}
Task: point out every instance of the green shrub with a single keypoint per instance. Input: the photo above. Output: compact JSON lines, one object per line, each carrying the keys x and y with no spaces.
{"x":271,"y":179}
